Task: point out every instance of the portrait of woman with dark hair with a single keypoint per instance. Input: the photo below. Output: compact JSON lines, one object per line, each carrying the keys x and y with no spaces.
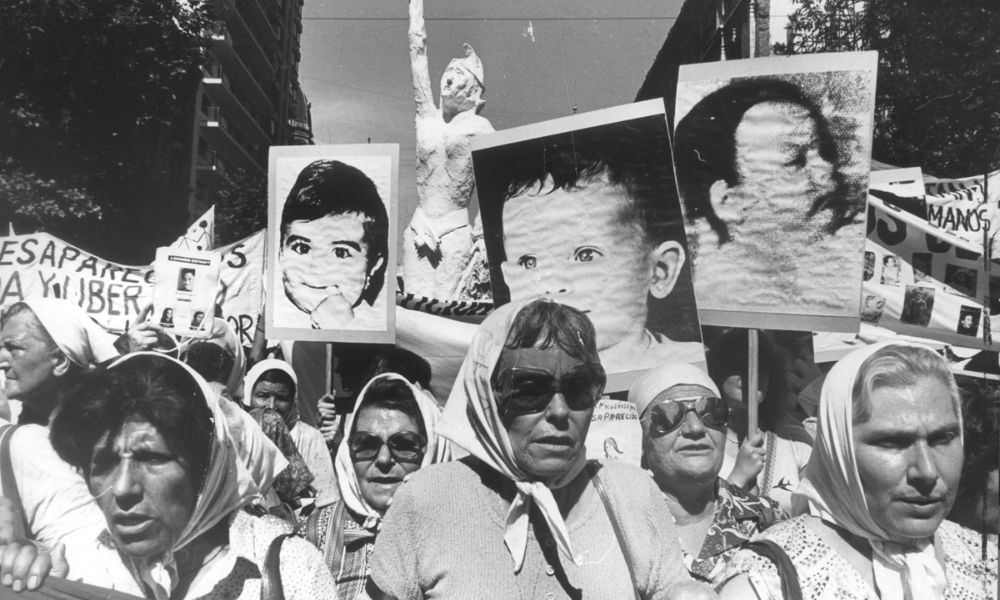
{"x":770,"y":171}
{"x":332,"y":248}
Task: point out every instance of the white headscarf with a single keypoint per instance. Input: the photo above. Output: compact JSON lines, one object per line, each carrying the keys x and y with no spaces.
{"x":347,"y":479}
{"x":82,"y":340}
{"x":269,"y":364}
{"x":471,"y":421}
{"x":832,"y":485}
{"x":655,"y":381}
{"x":227,"y":487}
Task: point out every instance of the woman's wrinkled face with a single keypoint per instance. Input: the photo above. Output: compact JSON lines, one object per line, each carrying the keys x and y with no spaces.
{"x":546,"y":443}
{"x":909,"y":457}
{"x":782,"y":173}
{"x":691,"y":453}
{"x":144,"y":488}
{"x":379,"y":477}
{"x":276,"y":396}
{"x":28,"y":363}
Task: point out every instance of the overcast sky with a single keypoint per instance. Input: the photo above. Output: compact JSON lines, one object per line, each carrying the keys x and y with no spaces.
{"x":541,"y":59}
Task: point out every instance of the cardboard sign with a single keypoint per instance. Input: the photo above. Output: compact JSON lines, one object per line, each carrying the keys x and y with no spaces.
{"x":184,"y":292}
{"x":772,"y":158}
{"x":583,"y":210}
{"x":332,"y":242}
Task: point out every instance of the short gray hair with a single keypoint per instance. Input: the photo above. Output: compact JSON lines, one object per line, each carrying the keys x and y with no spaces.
{"x":898,"y":366}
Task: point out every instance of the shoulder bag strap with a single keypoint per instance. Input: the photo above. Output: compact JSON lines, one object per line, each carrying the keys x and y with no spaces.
{"x":9,"y":483}
{"x":592,"y":468}
{"x":790,"y":588}
{"x":270,"y":574}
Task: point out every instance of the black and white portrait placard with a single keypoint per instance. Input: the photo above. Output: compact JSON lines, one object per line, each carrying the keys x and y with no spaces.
{"x":331,"y":251}
{"x":583,"y":210}
{"x":772,"y":159}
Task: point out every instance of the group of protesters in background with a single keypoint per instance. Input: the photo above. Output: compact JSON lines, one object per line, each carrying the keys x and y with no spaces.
{"x":141,"y":469}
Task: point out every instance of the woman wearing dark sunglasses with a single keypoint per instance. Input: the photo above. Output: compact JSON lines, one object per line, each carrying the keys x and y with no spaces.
{"x":526,"y":515}
{"x":683,"y":444}
{"x":391,"y":433}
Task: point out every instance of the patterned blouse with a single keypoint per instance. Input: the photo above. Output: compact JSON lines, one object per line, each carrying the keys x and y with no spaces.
{"x":739,"y":515}
{"x":825,"y":574}
{"x":346,"y":546}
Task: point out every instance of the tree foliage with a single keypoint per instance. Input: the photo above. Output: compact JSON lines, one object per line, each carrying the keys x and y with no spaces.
{"x":938,"y":98}
{"x":96,"y":102}
{"x":242,"y":207}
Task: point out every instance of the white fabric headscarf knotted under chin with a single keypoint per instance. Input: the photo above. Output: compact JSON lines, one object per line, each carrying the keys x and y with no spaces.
{"x":438,"y":450}
{"x":228,"y":485}
{"x":472,"y":421}
{"x":832,"y":486}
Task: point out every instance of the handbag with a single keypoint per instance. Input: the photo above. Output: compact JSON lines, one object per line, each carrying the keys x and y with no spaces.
{"x":592,"y":468}
{"x":790,"y":588}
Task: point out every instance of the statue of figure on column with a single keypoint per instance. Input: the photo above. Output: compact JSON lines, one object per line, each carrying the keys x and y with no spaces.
{"x":438,"y":256}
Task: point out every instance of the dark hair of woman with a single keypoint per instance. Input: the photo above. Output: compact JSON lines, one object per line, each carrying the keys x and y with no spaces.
{"x":543,"y":323}
{"x":276,"y":376}
{"x":393,"y":394}
{"x":146,"y":387}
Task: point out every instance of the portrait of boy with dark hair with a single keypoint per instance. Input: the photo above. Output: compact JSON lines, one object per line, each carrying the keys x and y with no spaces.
{"x":331,"y":243}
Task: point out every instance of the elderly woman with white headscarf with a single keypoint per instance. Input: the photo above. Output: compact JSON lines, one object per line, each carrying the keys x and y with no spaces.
{"x":525,"y":515}
{"x":272,"y":384}
{"x":156,"y":452}
{"x":684,"y":423}
{"x":881,"y":479}
{"x":46,"y":345}
{"x":391,"y":433}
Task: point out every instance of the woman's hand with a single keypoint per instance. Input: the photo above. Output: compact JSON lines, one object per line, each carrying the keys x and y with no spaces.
{"x":25,"y":566}
{"x":749,"y":463}
{"x":329,"y":419}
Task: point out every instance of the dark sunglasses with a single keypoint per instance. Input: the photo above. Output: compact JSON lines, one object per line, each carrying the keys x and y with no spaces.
{"x":669,"y":414}
{"x":405,"y":446}
{"x":522,"y":390}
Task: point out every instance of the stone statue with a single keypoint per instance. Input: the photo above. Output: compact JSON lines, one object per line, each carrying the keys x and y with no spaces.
{"x":438,"y":244}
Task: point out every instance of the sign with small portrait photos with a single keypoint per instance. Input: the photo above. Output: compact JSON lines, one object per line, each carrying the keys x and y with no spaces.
{"x":184,"y":291}
{"x":920,"y":279}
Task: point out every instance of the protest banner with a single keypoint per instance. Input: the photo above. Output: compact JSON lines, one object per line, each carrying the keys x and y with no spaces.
{"x":332,"y":242}
{"x":42,"y":265}
{"x":241,"y":284}
{"x":924,"y":281}
{"x":772,"y":158}
{"x":114,"y":295}
{"x":965,"y":207}
{"x":200,"y":235}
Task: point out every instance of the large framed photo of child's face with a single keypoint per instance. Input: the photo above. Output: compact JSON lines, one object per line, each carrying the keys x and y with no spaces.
{"x":331,"y":251}
{"x":583,"y":210}
{"x":772,"y":158}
